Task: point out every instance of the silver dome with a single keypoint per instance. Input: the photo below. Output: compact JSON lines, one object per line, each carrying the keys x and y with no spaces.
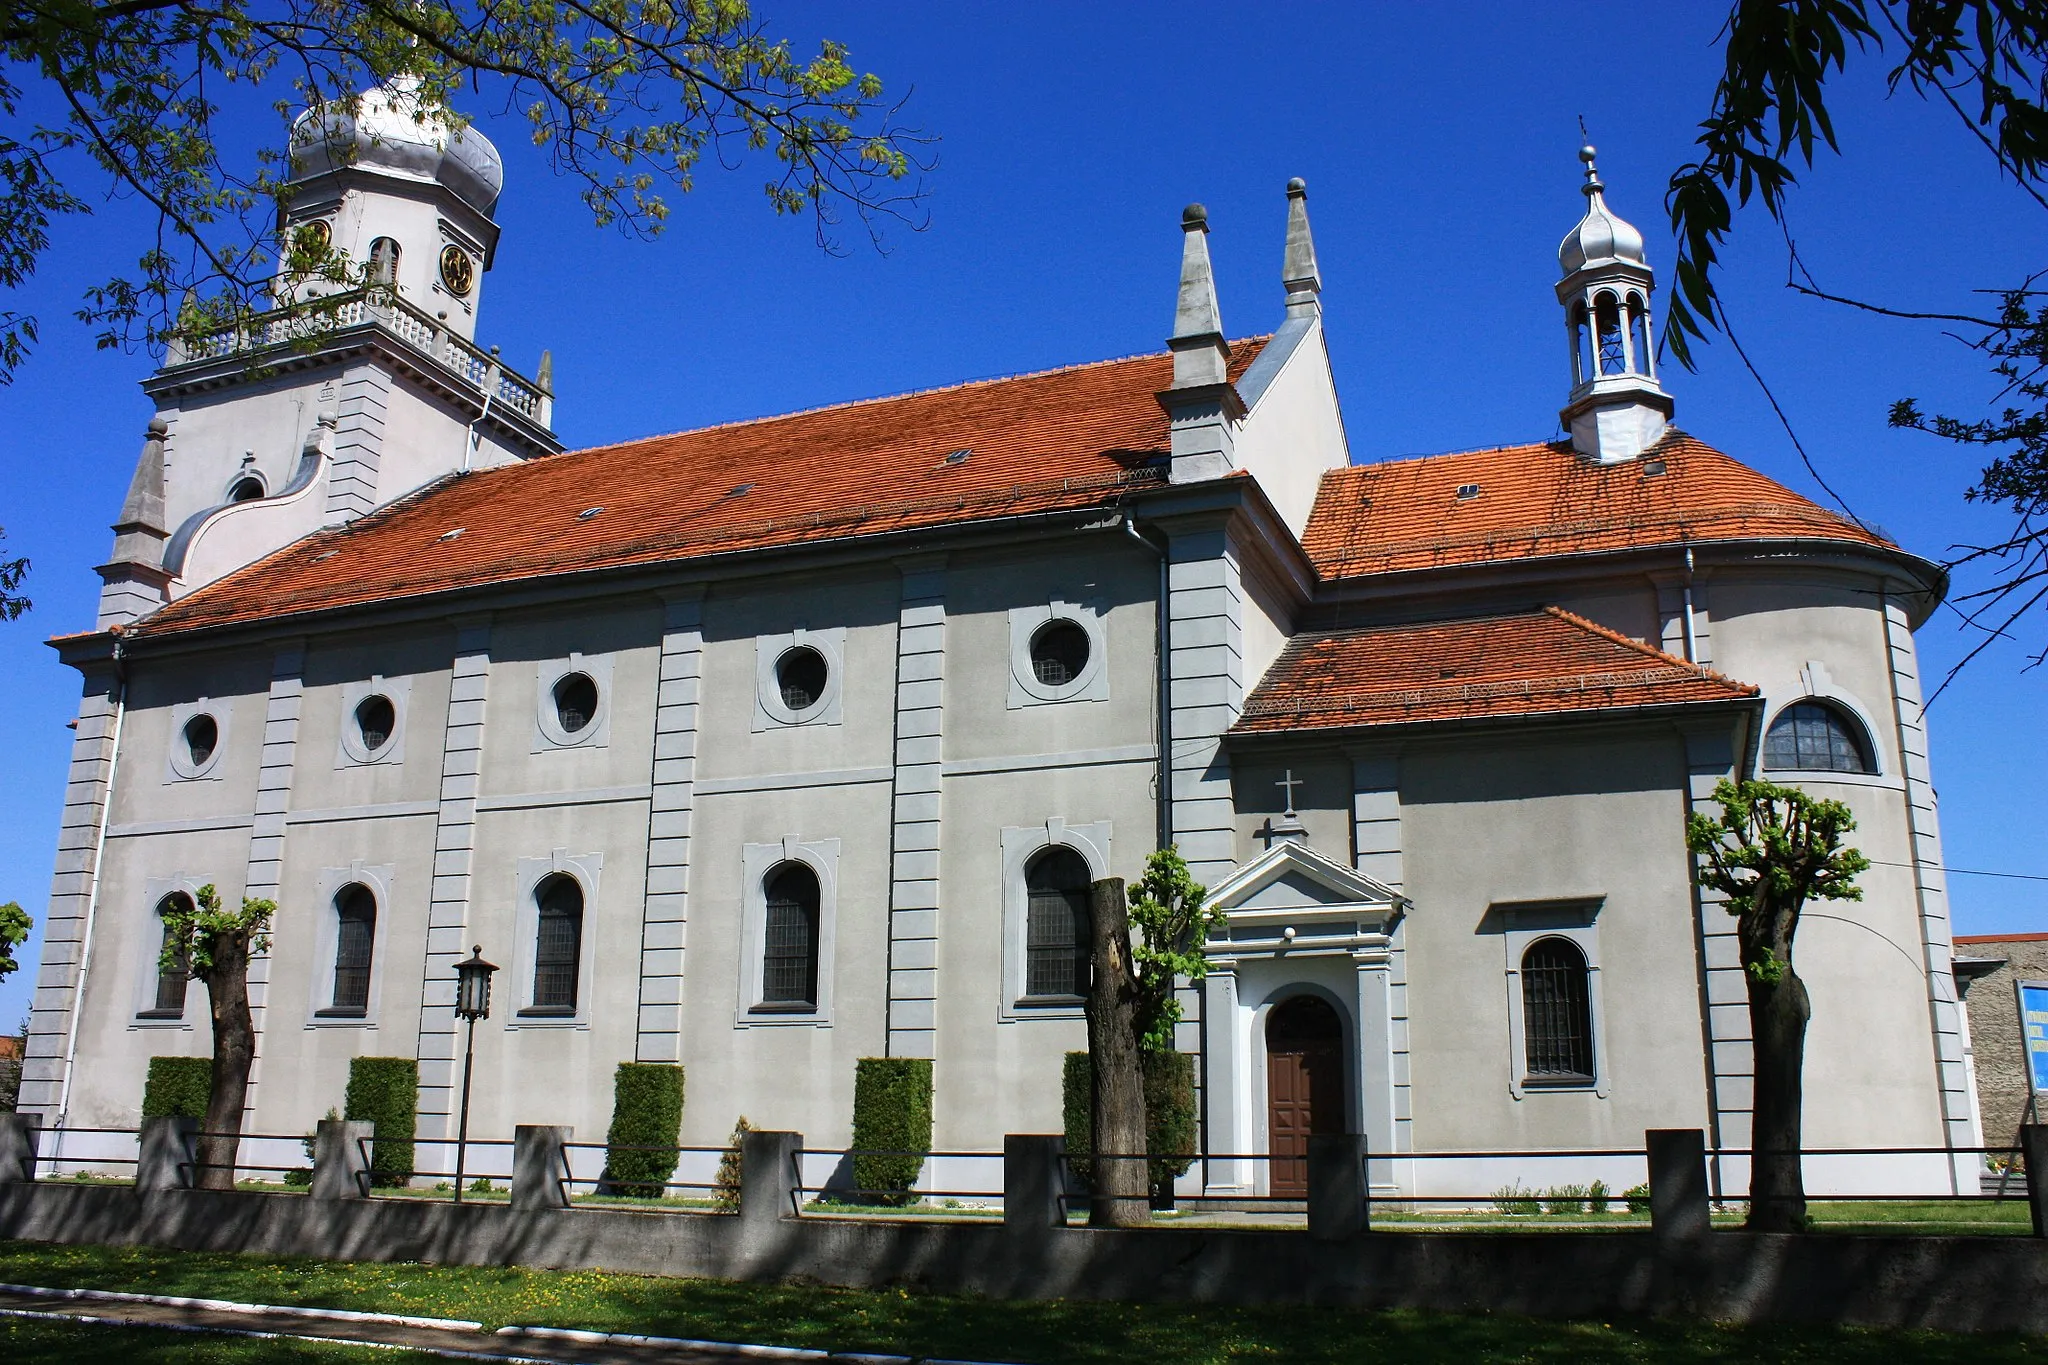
{"x":1600,"y":235}
{"x":389,"y":134}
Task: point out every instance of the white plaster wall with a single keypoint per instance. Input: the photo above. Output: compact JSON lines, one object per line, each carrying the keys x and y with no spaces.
{"x":237,"y":684}
{"x":1295,"y":432}
{"x":1323,"y":800}
{"x":1103,"y":568}
{"x":998,"y":1074}
{"x":783,"y":1074}
{"x":210,"y":433}
{"x":1591,"y":812}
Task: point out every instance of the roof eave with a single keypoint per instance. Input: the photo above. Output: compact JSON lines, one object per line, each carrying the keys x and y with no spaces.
{"x":1518,"y":719}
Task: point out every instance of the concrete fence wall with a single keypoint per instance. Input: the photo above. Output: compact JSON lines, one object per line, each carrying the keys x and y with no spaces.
{"x":1678,"y":1267}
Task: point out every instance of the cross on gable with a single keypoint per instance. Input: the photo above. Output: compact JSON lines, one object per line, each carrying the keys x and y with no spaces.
{"x":1289,"y":783}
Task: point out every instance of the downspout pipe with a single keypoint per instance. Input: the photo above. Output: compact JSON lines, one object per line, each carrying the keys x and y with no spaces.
{"x":1163,"y":652}
{"x":1692,"y":651}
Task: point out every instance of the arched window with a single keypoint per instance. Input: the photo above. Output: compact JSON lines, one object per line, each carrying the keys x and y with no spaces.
{"x":248,"y":488}
{"x":1607,"y":317}
{"x":355,"y":934}
{"x":171,"y":980}
{"x":789,"y":948}
{"x":1056,"y":924}
{"x":384,"y":261}
{"x":558,"y":944}
{"x":1639,"y":335}
{"x":1582,"y":346}
{"x":1557,"y":1013}
{"x":1812,"y":736}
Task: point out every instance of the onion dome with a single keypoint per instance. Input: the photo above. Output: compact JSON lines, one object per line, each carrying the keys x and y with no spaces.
{"x":1600,"y":235}
{"x":390,"y":134}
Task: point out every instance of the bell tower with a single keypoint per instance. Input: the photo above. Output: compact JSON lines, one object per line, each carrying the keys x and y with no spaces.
{"x":1616,"y":409}
{"x":308,"y":418}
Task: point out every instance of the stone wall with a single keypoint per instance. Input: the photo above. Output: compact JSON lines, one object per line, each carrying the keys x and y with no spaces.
{"x":1995,"y":1028}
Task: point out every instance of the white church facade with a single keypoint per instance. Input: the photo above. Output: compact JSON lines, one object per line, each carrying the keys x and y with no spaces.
{"x":775,"y":745}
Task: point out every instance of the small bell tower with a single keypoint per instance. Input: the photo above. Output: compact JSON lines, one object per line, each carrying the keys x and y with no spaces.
{"x":1616,"y":409}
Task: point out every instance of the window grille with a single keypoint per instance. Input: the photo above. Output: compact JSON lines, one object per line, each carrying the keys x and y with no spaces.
{"x":558,"y":945}
{"x":1613,"y":359}
{"x":172,"y":981}
{"x":800,"y":677}
{"x":789,"y":960}
{"x":1059,"y":653}
{"x":1057,"y":929}
{"x":575,"y":702}
{"x":1557,"y":1015}
{"x":1811,"y":736}
{"x":355,"y":912}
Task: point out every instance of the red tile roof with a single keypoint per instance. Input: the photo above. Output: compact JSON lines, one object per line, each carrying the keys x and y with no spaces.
{"x":1071,"y":438}
{"x":1544,"y":499}
{"x":2001,"y":938}
{"x":1487,"y":667}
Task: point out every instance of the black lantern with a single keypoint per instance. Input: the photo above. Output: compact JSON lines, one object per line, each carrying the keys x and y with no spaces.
{"x":473,"y":986}
{"x":472,"y":1002}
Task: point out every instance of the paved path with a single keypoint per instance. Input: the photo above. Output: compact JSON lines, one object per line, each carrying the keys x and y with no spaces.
{"x":445,"y":1338}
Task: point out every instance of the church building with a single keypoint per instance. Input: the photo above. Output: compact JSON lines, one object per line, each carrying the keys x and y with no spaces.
{"x":774,"y":745}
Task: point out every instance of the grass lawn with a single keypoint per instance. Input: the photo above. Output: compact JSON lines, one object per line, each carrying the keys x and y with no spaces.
{"x":1060,"y":1333}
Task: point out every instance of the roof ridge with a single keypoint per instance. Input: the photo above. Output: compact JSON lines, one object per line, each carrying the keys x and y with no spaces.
{"x":1369,"y":465}
{"x":893,"y":397}
{"x":1618,"y":638}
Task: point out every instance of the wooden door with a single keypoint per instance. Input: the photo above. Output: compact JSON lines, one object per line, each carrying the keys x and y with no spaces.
{"x":1304,"y":1087}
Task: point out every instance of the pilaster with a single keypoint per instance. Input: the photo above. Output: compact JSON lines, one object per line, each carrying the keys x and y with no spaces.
{"x":361,"y":407}
{"x":1731,"y":1068}
{"x":1205,"y":691}
{"x":67,"y":925}
{"x":266,"y":835}
{"x":1959,"y":1122}
{"x":665,"y":914}
{"x":914,"y":813}
{"x":454,"y":850}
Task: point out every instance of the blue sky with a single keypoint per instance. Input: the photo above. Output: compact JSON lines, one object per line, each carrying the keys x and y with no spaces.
{"x":1438,"y":143}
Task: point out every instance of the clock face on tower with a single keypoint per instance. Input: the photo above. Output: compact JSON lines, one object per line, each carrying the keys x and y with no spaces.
{"x":458,"y":275}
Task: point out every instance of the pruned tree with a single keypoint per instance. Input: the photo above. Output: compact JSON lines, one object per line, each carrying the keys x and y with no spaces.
{"x":1133,"y":1010}
{"x":1985,"y":60}
{"x":625,"y":97}
{"x":14,"y":927}
{"x":1770,"y":851}
{"x":1115,"y":1033}
{"x":215,"y":945}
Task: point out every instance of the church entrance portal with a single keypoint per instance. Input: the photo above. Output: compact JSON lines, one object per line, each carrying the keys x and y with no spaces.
{"x":1304,"y":1086}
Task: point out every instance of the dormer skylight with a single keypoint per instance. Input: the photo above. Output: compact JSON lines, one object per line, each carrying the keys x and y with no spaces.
{"x":740,"y":490}
{"x":450,"y":535}
{"x":958,"y":456}
{"x":587,"y":513}
{"x":1467,"y":492}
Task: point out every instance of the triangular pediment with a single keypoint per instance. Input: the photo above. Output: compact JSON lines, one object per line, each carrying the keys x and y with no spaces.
{"x":1291,"y":875}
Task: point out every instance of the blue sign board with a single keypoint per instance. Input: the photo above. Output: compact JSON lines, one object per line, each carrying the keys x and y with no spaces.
{"x":2034,"y":1031}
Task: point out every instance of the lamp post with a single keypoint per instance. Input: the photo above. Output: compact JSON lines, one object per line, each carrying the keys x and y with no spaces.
{"x":472,"y":1002}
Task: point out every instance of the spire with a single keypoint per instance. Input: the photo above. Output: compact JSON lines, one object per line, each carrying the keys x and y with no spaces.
{"x":139,"y":532}
{"x":134,"y":581}
{"x":1298,"y":272}
{"x":1202,"y":406}
{"x":1615,"y":409}
{"x":1200,"y":354}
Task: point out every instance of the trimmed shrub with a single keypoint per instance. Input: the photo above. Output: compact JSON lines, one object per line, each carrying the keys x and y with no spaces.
{"x":892,"y":1125}
{"x":1513,"y":1201}
{"x":1598,"y":1197}
{"x":386,"y":1091}
{"x":1565,"y":1199}
{"x":725,"y":1186}
{"x":178,"y":1087}
{"x":1170,"y":1119}
{"x":647,"y":1112}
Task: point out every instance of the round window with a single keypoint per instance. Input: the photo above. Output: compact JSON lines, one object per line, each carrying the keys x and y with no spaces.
{"x":800,"y":675}
{"x":376,"y":718}
{"x":246,"y":490}
{"x":202,"y":734}
{"x":1059,"y":651}
{"x":575,"y":703}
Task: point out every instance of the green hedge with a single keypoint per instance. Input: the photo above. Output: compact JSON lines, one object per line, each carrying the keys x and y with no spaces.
{"x":892,"y":1113}
{"x":386,"y":1091}
{"x":178,"y":1087}
{"x":647,"y":1111}
{"x":1170,"y":1124}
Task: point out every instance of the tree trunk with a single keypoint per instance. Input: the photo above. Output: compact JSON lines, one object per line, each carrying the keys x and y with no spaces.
{"x":1778,"y":1012}
{"x":234,"y":1051}
{"x":1121,"y":1194}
